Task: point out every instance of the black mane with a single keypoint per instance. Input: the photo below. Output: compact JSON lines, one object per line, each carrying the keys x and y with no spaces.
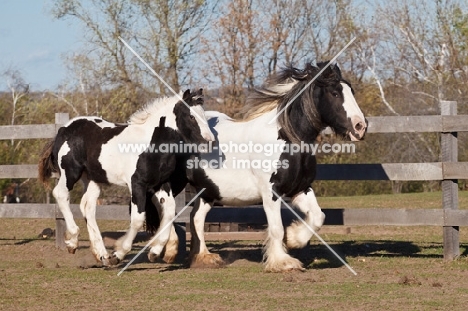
{"x":330,"y":76}
{"x":285,"y":86}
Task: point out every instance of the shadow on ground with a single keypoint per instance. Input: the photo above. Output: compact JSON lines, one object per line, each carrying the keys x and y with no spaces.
{"x":321,"y":257}
{"x":316,"y":256}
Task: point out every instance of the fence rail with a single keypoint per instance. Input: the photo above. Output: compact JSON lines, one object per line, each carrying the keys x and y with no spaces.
{"x":447,"y":171}
{"x":255,"y":215}
{"x":28,"y":131}
{"x":386,"y":171}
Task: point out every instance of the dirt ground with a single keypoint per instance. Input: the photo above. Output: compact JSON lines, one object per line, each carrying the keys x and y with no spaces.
{"x":398,"y":268}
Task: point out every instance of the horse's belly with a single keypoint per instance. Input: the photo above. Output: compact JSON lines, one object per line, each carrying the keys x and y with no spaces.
{"x":118,"y":171}
{"x":118,"y":162}
{"x":236,"y":187}
{"x":117,"y":180}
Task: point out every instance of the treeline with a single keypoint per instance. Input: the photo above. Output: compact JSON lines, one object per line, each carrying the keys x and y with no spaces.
{"x":407,"y":57}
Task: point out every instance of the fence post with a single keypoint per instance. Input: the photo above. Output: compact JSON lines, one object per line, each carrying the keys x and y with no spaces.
{"x":449,"y":153}
{"x":60,"y":227}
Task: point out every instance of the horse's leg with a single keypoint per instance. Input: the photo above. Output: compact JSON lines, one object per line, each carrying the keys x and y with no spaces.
{"x":137,"y":219}
{"x":169,"y":252}
{"x":199,"y":254}
{"x":275,"y":256}
{"x":172,"y":246}
{"x":88,"y":208}
{"x":61,"y":194}
{"x":298,"y":234}
{"x":166,"y":209}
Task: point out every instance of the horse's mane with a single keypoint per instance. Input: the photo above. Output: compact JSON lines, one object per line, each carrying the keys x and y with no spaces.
{"x":283,"y":87}
{"x":151,"y":108}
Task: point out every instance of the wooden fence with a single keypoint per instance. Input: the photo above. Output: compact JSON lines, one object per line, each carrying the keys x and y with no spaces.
{"x":448,"y":171}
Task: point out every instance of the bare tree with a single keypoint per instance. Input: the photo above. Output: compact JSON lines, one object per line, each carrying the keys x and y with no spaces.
{"x":171,"y":35}
{"x":287,"y":32}
{"x":18,"y":89}
{"x":232,"y":51}
{"x":414,"y":56}
{"x":105,"y":58}
{"x":423,"y":48}
{"x":164,"y":32}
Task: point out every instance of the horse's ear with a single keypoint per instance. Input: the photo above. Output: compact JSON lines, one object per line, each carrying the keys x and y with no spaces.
{"x":336,"y":69}
{"x":199,"y":97}
{"x":320,"y":65}
{"x":186,"y":95}
{"x":328,"y":72}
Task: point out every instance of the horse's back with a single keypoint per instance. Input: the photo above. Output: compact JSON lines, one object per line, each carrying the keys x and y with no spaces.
{"x":80,"y":143}
{"x":96,"y":120}
{"x":211,"y":114}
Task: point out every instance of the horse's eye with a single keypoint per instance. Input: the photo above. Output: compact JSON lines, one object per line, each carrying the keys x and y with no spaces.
{"x":192,"y":117}
{"x":336,"y":94}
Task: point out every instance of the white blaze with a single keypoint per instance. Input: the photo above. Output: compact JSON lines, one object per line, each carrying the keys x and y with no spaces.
{"x":350,"y":105}
{"x":354,"y":114}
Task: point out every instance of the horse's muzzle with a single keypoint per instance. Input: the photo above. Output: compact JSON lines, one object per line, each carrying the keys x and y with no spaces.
{"x":359,"y":129}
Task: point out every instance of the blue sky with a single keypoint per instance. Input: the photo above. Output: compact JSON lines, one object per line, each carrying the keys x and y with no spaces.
{"x":34,"y":43}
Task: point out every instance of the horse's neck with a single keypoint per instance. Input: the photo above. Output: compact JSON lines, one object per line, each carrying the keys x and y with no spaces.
{"x":270,"y":122}
{"x":144,"y":131}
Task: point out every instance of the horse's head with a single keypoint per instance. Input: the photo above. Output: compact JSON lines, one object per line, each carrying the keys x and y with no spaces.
{"x":191,"y":121}
{"x":310,"y":100}
{"x":336,"y":105}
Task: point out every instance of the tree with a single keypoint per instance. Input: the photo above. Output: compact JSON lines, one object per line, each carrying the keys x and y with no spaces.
{"x":231,"y":51}
{"x":171,"y":36}
{"x":18,"y":89}
{"x":164,"y":32}
{"x":287,"y":32}
{"x":105,"y":58}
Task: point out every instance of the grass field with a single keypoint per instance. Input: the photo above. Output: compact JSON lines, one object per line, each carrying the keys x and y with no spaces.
{"x":398,"y":268}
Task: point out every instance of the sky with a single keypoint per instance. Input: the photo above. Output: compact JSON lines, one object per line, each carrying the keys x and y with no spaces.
{"x":32,"y":42}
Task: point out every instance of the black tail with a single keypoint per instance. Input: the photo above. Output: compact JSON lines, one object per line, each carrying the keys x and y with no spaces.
{"x":47,"y":166}
{"x":152,"y":215}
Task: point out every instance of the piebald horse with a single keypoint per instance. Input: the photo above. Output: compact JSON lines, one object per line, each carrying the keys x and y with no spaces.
{"x":92,"y":149}
{"x":254,"y":162}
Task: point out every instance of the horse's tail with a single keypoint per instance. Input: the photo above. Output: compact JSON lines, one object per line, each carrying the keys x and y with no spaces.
{"x":47,"y":166}
{"x":153,"y":219}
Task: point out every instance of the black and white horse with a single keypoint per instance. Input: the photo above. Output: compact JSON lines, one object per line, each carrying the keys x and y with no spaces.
{"x":254,"y":161}
{"x":91,"y":149}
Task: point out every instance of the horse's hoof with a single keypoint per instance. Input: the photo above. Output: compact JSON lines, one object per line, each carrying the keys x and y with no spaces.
{"x":113,"y":261}
{"x":207,"y":260}
{"x":71,"y":250}
{"x":284,"y":265}
{"x":152,"y":257}
{"x":169,"y":252}
{"x":105,"y":261}
{"x":169,"y":258}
